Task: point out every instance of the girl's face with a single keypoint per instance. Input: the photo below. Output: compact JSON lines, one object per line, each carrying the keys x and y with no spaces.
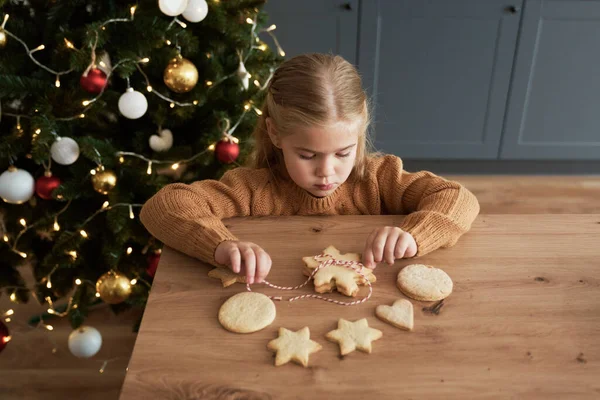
{"x":320,"y":159}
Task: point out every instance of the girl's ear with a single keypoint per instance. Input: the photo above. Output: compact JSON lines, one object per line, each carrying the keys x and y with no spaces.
{"x":273,"y":133}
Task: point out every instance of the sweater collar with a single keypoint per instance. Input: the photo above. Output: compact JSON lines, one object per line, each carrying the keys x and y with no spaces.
{"x":304,"y":202}
{"x":310,"y":204}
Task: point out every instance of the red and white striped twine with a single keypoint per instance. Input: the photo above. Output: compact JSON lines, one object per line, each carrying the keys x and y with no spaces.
{"x":356,"y":266}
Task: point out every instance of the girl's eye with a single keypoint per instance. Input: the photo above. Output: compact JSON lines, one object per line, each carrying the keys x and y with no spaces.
{"x":344,"y":155}
{"x":306,"y":157}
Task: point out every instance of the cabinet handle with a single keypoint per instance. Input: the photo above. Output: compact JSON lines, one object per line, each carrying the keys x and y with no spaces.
{"x":346,"y":6}
{"x":513,"y":9}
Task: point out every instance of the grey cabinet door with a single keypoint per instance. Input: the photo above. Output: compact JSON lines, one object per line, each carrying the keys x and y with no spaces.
{"x":438,"y":72}
{"x":554,"y":107}
{"x":314,"y":26}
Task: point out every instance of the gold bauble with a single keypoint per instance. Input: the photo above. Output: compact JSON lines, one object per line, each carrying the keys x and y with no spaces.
{"x":104,"y":181}
{"x":113,"y":287}
{"x":3,"y":38}
{"x":180,"y":75}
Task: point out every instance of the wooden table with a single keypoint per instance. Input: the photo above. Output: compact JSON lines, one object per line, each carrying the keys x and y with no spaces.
{"x":523,"y":320}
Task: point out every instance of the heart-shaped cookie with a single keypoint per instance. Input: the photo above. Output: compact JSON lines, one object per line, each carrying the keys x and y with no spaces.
{"x":400,"y":314}
{"x":162,"y":142}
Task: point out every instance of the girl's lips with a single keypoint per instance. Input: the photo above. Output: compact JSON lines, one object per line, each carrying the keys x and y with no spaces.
{"x":325,"y":187}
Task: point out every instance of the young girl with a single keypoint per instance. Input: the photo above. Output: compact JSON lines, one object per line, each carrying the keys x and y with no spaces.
{"x":311,"y":158}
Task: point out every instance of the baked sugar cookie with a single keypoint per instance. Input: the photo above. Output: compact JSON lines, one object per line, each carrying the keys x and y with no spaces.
{"x":400,"y":314}
{"x":337,"y":277}
{"x":247,"y":312}
{"x":424,"y":283}
{"x":227,"y":276}
{"x":355,"y":335}
{"x":293,"y":346}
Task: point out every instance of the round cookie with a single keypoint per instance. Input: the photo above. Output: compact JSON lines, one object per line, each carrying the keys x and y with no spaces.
{"x":247,"y":312}
{"x":424,"y":283}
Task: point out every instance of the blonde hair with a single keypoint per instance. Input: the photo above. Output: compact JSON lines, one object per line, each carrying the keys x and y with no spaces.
{"x":308,"y":90}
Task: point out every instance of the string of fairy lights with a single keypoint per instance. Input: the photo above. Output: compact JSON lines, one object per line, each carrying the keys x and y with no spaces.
{"x":225,"y":126}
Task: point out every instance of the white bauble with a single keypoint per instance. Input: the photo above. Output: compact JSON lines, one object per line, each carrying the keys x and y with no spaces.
{"x":64,"y":151}
{"x":172,"y":8}
{"x":133,"y":104}
{"x":85,"y":342}
{"x":16,"y":185}
{"x":196,"y":10}
{"x":162,"y":142}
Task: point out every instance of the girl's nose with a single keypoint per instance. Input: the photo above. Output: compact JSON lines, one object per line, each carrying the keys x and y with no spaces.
{"x":326,"y":168}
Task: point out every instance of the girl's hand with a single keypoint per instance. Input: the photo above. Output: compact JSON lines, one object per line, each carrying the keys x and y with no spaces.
{"x":246,"y":258}
{"x":388,"y":243}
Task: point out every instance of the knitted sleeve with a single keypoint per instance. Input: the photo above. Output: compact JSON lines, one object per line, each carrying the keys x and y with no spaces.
{"x":438,"y":211}
{"x":188,"y":217}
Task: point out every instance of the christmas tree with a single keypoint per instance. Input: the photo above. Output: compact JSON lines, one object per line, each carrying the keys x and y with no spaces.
{"x":102,"y":103}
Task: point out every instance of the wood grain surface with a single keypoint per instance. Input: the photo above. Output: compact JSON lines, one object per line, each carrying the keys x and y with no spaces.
{"x":30,"y":371}
{"x":523,"y":320}
{"x":529,"y":194}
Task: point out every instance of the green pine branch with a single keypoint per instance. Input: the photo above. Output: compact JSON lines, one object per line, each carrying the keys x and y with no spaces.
{"x":14,"y":86}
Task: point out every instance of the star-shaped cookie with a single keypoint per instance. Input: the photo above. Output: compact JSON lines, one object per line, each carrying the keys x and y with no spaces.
{"x":354,"y":335}
{"x":293,"y":346}
{"x":226,"y":276}
{"x":344,"y":279}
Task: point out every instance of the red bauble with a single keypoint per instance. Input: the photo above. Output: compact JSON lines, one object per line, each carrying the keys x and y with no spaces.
{"x":227,"y":151}
{"x":4,"y":336}
{"x":94,"y":82}
{"x":153,"y":260}
{"x":45,"y":185}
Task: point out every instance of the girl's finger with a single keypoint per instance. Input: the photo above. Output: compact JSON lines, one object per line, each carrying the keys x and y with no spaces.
{"x":250,"y":264}
{"x":368,"y":259}
{"x":379,"y":245}
{"x":390,"y":246}
{"x":263,"y":264}
{"x":235,"y":260}
{"x":412,"y":249}
{"x":402,"y":245}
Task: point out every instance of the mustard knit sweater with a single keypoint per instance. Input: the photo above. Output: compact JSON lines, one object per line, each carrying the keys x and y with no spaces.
{"x":188,"y":217}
